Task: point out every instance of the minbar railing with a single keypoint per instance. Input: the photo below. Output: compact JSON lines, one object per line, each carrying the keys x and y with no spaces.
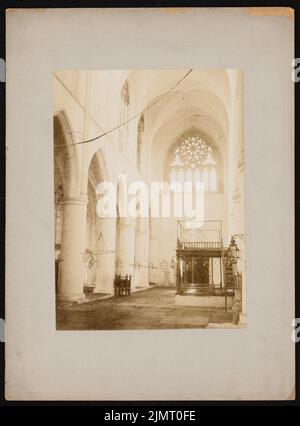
{"x":198,"y":245}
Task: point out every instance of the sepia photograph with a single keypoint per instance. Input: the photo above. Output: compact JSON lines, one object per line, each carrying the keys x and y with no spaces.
{"x":149,"y":209}
{"x":149,"y":199}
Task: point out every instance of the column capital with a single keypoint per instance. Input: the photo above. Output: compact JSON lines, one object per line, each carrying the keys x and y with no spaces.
{"x":141,"y":232}
{"x":127,"y":222}
{"x":104,"y":220}
{"x":82,"y":200}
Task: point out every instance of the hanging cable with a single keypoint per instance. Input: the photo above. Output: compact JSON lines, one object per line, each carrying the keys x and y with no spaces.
{"x":135,"y":116}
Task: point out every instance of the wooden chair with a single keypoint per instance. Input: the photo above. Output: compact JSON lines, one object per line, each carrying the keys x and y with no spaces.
{"x":122,"y":285}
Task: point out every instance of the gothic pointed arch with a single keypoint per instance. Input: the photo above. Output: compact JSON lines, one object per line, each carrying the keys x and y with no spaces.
{"x":65,"y":153}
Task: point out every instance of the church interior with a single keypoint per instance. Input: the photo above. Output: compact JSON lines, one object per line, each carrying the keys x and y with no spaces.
{"x":152,"y":126}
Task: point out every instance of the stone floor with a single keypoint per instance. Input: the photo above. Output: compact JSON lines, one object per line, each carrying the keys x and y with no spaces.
{"x":145,"y":310}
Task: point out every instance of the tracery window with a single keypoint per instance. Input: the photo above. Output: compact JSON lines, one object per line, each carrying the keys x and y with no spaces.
{"x":194,"y":160}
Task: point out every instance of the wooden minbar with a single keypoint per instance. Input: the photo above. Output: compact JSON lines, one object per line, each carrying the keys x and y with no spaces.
{"x":204,"y":267}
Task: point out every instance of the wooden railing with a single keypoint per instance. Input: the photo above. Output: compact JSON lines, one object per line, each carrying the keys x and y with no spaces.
{"x":199,"y":245}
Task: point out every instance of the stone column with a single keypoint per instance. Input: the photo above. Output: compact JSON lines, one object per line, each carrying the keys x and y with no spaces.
{"x":141,"y":254}
{"x":126,"y":248}
{"x":71,"y":271}
{"x":242,"y":244}
{"x":240,"y":229}
{"x":153,"y":260}
{"x":153,"y":252}
{"x":105,"y":255}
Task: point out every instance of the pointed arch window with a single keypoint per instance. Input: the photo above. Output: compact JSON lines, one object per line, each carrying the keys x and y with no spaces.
{"x":195,"y":160}
{"x":124,"y":116}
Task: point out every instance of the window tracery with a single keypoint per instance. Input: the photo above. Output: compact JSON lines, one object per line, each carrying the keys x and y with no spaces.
{"x":194,"y":160}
